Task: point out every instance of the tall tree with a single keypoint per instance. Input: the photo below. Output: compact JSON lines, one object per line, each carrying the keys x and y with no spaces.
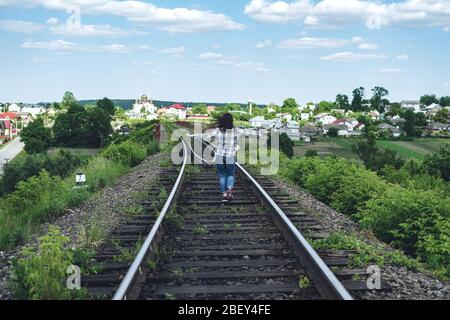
{"x":36,"y":136}
{"x":289,"y":104}
{"x":442,"y":116}
{"x":428,"y":99}
{"x":342,"y":101}
{"x":107,"y":106}
{"x":444,"y":101}
{"x":377,"y":102}
{"x":358,"y":97}
{"x":68,"y":100}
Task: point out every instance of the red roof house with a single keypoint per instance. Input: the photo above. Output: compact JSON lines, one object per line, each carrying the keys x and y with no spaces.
{"x":8,"y":115}
{"x":177,"y":106}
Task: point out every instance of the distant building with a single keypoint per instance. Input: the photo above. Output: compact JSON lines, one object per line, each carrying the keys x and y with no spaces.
{"x":437,"y":127}
{"x":325,"y":118}
{"x":13,"y":108}
{"x":143,"y":108}
{"x":176,"y":111}
{"x":411,"y":105}
{"x":211,"y":109}
{"x":342,"y":129}
{"x":396,"y":132}
{"x":6,"y":130}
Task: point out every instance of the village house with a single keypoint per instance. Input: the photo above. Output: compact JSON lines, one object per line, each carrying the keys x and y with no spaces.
{"x":437,"y":127}
{"x":396,"y":132}
{"x":309,"y":130}
{"x":342,"y":129}
{"x":411,"y":105}
{"x":7,"y":130}
{"x":325,"y":118}
{"x":13,"y":108}
{"x":176,"y":111}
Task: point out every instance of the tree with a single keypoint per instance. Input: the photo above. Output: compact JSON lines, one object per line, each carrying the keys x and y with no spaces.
{"x":438,"y":163}
{"x":442,"y":116}
{"x":412,"y":120}
{"x":289,"y":104}
{"x":428,"y":99}
{"x":97,"y":127}
{"x":68,"y":129}
{"x":68,"y":100}
{"x":444,"y":101}
{"x":358,"y":97}
{"x":286,"y":145}
{"x":107,"y":106}
{"x":324,"y":106}
{"x":342,"y":101}
{"x":37,"y":137}
{"x":200,"y":109}
{"x":333,"y":132}
{"x":374,"y":158}
{"x":311,"y":153}
{"x":377,"y":102}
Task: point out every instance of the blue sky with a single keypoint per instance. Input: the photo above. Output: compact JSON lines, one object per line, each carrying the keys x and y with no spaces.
{"x":222,"y":51}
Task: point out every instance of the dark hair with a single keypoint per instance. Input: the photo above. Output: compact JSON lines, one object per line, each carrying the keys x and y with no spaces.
{"x":225,"y":122}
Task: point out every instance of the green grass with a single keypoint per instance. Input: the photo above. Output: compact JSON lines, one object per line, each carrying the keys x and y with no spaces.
{"x":84,"y":154}
{"x":342,"y":147}
{"x":41,"y":198}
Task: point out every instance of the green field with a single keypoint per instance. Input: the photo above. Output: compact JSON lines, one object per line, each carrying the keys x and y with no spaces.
{"x":342,"y":147}
{"x":81,"y":153}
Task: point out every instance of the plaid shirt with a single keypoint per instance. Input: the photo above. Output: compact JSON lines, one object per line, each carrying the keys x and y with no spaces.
{"x":226,"y":142}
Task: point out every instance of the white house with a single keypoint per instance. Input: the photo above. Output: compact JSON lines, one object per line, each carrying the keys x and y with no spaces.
{"x":343,"y":130}
{"x":177,"y":111}
{"x":325,"y":118}
{"x":14,"y":108}
{"x":257,"y":122}
{"x":305,"y":116}
{"x":411,"y":104}
{"x":34,"y":112}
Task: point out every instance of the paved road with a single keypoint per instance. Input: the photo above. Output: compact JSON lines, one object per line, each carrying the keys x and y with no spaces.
{"x":9,"y":151}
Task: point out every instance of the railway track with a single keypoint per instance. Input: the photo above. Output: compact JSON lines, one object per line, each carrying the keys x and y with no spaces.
{"x":197,"y":247}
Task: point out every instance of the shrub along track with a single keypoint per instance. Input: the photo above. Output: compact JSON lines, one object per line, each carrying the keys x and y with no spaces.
{"x":206,"y":249}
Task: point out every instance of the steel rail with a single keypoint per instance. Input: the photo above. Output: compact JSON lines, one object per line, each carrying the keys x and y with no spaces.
{"x":327,"y":283}
{"x":136,"y":269}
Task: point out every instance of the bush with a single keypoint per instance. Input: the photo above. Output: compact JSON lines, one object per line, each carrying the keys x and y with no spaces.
{"x":311,"y":153}
{"x":286,"y":145}
{"x":402,"y":216}
{"x":26,"y":167}
{"x":439,"y":163}
{"x":355,"y":189}
{"x":44,"y":196}
{"x":41,"y":274}
{"x":129,"y":153}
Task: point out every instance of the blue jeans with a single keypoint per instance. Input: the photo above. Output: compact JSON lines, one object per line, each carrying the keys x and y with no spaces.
{"x":226,"y":169}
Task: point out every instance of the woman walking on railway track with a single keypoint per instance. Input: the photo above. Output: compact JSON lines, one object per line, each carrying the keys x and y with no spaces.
{"x":226,"y":143}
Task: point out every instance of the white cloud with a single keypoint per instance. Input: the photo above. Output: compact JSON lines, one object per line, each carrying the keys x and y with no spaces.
{"x":40,"y":60}
{"x":220,"y":59}
{"x":173,"y":51}
{"x":21,"y":26}
{"x":446,"y":29}
{"x":118,"y":48}
{"x":352,"y":57}
{"x":391,"y":70}
{"x":89,"y":31}
{"x":337,"y":13}
{"x":61,"y":45}
{"x":176,"y":20}
{"x":368,"y":46}
{"x":210,"y":55}
{"x":263,"y":44}
{"x":52,"y":21}
{"x":145,"y":47}
{"x":277,"y":12}
{"x":402,"y":57}
{"x":447,"y":85}
{"x":312,"y":42}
